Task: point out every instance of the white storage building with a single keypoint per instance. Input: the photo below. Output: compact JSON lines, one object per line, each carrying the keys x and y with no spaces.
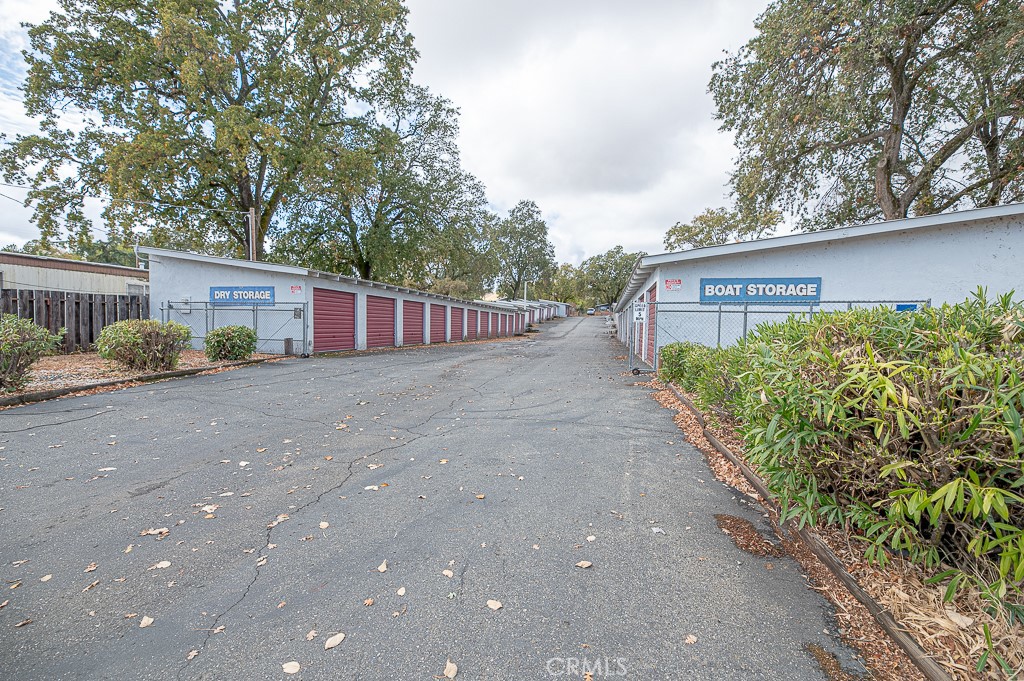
{"x":308,"y":311}
{"x":715,"y":295}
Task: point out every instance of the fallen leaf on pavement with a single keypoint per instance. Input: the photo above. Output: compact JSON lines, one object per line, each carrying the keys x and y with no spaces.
{"x":145,"y":622}
{"x":45,"y":578}
{"x":92,"y":566}
{"x":16,"y":584}
{"x":291,"y":667}
{"x":261,"y":449}
{"x":324,"y":525}
{"x":691,"y":639}
{"x":311,"y":635}
{"x":584,"y":564}
{"x":383,"y":567}
{"x":333,"y":641}
{"x":90,"y":586}
{"x":4,"y":604}
{"x":191,"y":654}
{"x":448,"y":573}
{"x":372,"y":488}
{"x":450,"y":670}
{"x":368,"y":602}
{"x":159,"y":531}
{"x":23,"y":623}
{"x":281,"y":604}
{"x":480,"y":496}
{"x":494,"y":605}
{"x":160,"y":566}
{"x":401,"y":591}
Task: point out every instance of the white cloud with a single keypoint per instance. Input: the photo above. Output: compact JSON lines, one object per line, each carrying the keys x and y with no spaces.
{"x":600,"y":115}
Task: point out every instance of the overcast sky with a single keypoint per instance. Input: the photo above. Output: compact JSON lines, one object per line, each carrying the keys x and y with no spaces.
{"x":597,"y":110}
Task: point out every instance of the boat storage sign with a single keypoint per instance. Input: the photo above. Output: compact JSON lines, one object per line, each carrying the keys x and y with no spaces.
{"x":242,"y":295}
{"x":761,"y":290}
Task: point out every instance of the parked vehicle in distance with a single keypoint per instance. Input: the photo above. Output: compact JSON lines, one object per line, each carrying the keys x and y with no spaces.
{"x":590,"y":310}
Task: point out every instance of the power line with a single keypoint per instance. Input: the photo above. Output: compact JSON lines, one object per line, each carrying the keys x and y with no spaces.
{"x":155,"y":204}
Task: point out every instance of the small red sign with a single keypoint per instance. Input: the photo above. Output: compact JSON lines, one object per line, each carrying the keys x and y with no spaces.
{"x":673,"y":284}
{"x":296,"y":290}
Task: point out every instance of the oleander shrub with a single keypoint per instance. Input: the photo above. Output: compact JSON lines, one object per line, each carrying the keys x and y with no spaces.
{"x":230,"y":342}
{"x":905,"y":427}
{"x":144,"y":344}
{"x":709,"y":373}
{"x":22,"y":342}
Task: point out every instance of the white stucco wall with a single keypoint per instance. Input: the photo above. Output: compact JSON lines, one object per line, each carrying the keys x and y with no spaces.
{"x":944,"y":264}
{"x":940,"y":264}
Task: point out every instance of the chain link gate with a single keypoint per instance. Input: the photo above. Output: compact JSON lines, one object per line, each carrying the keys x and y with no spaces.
{"x":718,"y":324}
{"x":280,"y":329}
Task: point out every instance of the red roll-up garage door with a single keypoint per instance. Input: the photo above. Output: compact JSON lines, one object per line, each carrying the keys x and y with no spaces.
{"x":485,"y":324}
{"x":652,"y":296}
{"x":471,"y":326}
{"x":502,"y":324}
{"x":436,"y":323}
{"x":380,"y":322}
{"x":458,"y":332}
{"x":412,"y":322}
{"x":334,"y":320}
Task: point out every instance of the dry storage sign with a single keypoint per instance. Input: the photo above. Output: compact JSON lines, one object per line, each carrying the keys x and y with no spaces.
{"x":242,"y":295}
{"x":767,"y":290}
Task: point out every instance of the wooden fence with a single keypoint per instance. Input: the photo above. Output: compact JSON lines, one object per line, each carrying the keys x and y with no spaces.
{"x":83,"y":314}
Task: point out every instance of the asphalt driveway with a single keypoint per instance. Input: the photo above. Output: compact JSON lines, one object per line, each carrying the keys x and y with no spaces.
{"x":249,"y":514}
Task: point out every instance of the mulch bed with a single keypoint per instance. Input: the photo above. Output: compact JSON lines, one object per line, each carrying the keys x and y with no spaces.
{"x":951,"y":633}
{"x":86,"y":369}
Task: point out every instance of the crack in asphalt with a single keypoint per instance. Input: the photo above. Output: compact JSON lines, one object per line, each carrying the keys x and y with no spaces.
{"x":61,"y":423}
{"x":303,"y":507}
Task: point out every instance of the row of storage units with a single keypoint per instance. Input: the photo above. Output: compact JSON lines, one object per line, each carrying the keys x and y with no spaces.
{"x":311,"y":311}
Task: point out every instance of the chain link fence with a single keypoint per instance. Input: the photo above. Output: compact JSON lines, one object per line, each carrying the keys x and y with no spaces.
{"x":281,"y":329}
{"x":723,"y":324}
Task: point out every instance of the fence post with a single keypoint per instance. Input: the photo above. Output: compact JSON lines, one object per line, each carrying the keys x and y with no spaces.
{"x":719,"y":325}
{"x":745,"y":307}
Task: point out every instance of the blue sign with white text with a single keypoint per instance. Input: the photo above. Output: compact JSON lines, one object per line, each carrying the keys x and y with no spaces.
{"x":761,"y":290}
{"x":242,"y":295}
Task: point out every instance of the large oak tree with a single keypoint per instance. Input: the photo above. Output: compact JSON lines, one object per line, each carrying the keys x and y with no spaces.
{"x":854,"y":111}
{"x":217,"y":107}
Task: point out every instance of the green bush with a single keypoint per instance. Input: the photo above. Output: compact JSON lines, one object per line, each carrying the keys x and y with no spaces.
{"x":230,"y":342}
{"x":906,"y":427}
{"x":709,"y":373}
{"x":22,"y":342}
{"x":144,"y":344}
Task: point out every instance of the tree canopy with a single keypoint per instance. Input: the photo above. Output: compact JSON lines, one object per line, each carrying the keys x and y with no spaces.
{"x":716,"y":226}
{"x":850,"y":112}
{"x":607,"y":274}
{"x":406,"y":213}
{"x":522,"y":249}
{"x":190,"y":112}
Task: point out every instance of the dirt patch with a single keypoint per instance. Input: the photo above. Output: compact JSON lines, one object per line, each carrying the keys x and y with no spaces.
{"x":746,"y":537}
{"x":88,"y":368}
{"x":830,"y":665}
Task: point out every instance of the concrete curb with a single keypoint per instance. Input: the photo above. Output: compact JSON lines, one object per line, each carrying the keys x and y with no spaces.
{"x":43,"y":395}
{"x":931,"y":669}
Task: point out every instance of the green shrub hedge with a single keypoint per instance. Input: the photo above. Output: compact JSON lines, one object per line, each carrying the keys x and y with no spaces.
{"x":144,"y":344}
{"x":22,"y":342}
{"x":904,"y":426}
{"x":230,"y":342}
